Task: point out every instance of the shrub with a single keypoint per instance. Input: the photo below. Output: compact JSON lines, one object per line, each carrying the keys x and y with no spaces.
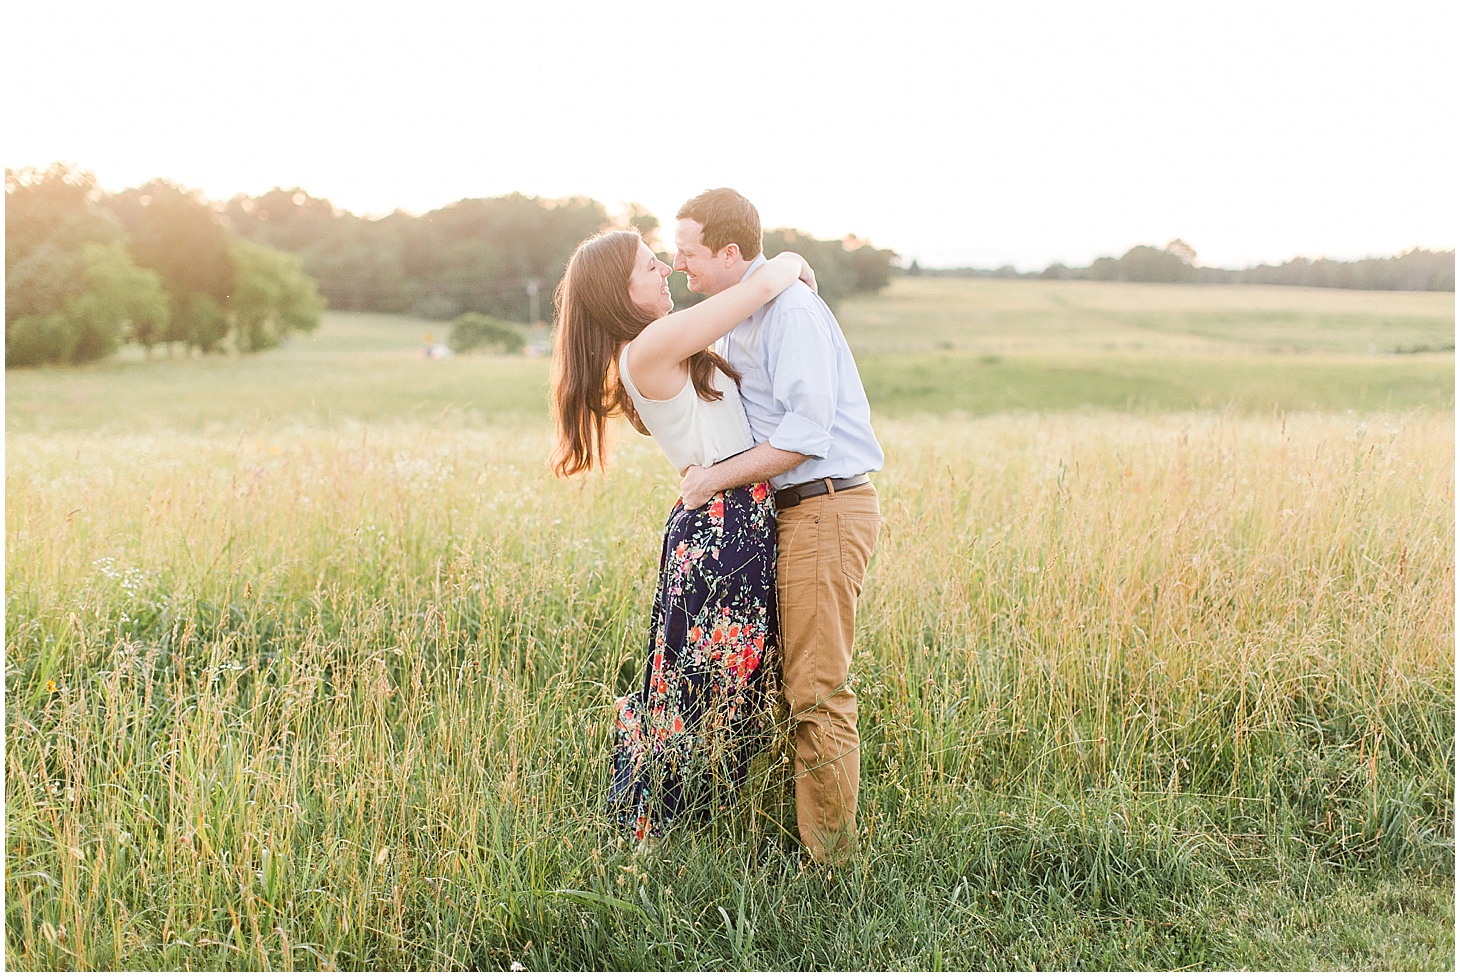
{"x":474,"y":331}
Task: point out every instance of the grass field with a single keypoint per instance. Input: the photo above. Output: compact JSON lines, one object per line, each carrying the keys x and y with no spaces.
{"x":310,"y":664}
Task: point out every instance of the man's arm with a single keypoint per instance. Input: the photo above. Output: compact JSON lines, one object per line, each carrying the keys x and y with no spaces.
{"x":756,"y":465}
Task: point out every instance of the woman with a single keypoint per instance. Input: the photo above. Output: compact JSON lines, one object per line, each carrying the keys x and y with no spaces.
{"x":687,"y":733}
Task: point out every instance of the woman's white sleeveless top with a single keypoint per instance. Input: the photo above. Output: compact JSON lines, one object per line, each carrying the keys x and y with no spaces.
{"x":692,"y":431}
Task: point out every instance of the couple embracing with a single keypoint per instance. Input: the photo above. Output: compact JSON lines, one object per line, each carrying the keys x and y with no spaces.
{"x":765,"y":551}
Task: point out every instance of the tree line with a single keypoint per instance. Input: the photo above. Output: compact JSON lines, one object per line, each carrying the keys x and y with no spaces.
{"x":1416,"y":270}
{"x":499,"y":257}
{"x":87,"y":271}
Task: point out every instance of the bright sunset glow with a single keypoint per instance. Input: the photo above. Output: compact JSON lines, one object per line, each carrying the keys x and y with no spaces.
{"x":954,"y":134}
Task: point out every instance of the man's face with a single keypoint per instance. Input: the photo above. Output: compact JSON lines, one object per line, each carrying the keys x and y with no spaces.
{"x":709,"y":271}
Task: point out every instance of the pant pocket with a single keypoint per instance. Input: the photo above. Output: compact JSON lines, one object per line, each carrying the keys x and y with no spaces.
{"x":857,"y":534}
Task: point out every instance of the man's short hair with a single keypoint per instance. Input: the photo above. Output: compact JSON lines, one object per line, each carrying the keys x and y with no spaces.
{"x":726,"y":218}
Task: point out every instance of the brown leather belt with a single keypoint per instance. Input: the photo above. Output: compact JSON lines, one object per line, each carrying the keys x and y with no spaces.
{"x":794,"y":495}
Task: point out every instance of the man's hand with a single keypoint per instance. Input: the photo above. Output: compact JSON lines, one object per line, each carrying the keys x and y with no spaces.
{"x":696,"y":487}
{"x":759,"y":464}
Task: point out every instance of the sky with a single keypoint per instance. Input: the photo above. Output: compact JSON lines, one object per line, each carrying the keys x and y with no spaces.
{"x":957,"y":134}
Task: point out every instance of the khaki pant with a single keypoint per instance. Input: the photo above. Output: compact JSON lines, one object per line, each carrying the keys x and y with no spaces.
{"x":823,"y":546}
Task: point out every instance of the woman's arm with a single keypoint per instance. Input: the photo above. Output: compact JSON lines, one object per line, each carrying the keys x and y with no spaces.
{"x":677,"y":336}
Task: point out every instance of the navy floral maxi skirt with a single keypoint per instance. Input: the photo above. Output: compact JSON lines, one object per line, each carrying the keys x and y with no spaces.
{"x":683,"y":741}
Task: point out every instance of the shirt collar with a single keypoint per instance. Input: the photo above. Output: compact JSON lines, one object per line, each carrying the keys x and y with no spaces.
{"x":759,"y":260}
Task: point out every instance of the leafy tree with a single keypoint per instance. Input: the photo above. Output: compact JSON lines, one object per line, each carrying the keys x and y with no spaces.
{"x":1144,"y":263}
{"x":175,"y":233}
{"x":33,"y":340}
{"x":56,"y":205}
{"x":1104,"y":269}
{"x":289,"y":220}
{"x":1182,"y":250}
{"x":490,"y":255}
{"x":41,"y":282}
{"x":871,"y":267}
{"x":1413,"y":270}
{"x":360,"y":275}
{"x":72,"y":293}
{"x":835,"y":279}
{"x":119,"y":301}
{"x":476,"y":331}
{"x":78,"y":306}
{"x":642,"y":221}
{"x":198,"y":322}
{"x":271,"y":297}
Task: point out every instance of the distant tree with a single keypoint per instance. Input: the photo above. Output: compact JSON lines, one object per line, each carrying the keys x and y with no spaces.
{"x":290,"y":220}
{"x":643,"y":221}
{"x":120,"y":301}
{"x":37,"y":288}
{"x":78,"y":306}
{"x":359,"y":273}
{"x":835,"y":278}
{"x":57,"y":206}
{"x":51,"y":216}
{"x":1185,"y":252}
{"x":197,"y":322}
{"x":527,"y":239}
{"x":1144,"y":263}
{"x":1414,"y":270}
{"x":175,"y":233}
{"x":476,"y":331}
{"x":41,"y":282}
{"x":271,"y":298}
{"x":871,"y":267}
{"x":34,"y":340}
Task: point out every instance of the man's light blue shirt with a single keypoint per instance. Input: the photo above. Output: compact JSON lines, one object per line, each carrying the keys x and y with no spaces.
{"x":801,"y":388}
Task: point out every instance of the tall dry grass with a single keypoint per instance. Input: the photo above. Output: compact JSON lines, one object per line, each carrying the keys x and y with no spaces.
{"x":303,"y":698}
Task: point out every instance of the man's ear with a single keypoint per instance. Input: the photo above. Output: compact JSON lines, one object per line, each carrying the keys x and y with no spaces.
{"x":732,"y":254}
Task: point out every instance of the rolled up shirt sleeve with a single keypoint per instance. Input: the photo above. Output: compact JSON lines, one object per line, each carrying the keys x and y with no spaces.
{"x":801,"y":357}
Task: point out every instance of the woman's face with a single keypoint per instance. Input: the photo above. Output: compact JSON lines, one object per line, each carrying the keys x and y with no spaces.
{"x":649,"y":283}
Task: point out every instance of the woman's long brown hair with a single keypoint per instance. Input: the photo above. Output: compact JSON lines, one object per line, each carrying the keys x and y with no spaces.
{"x":595,"y":317}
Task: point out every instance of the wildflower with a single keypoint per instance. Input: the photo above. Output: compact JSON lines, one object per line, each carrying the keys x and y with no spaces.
{"x":516,"y":966}
{"x":52,"y":687}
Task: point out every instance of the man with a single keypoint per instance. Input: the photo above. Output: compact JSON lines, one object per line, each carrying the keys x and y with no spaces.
{"x":812,"y":424}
